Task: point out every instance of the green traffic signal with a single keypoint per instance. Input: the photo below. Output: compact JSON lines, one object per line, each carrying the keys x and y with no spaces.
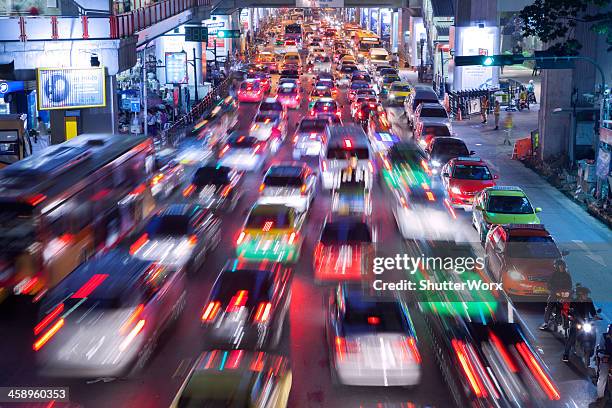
{"x":488,"y":61}
{"x":221,"y":33}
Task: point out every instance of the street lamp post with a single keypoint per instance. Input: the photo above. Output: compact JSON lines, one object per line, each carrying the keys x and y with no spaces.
{"x":422,"y":44}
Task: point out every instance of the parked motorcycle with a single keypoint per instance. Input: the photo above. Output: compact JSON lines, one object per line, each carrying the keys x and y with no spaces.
{"x":601,"y":357}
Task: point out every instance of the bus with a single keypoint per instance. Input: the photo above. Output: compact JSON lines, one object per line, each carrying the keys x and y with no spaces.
{"x":293,"y":31}
{"x":67,"y":203}
{"x":364,"y":40}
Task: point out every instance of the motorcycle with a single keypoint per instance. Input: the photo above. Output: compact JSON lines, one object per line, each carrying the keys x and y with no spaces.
{"x":586,"y":339}
{"x":601,"y":357}
{"x":558,"y":322}
{"x":522,"y":104}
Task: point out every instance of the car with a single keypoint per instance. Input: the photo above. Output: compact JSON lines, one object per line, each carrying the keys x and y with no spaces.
{"x":293,"y":58}
{"x":365,"y":110}
{"x":269,"y":126}
{"x":287,"y":81}
{"x":345,"y":144}
{"x":322,"y":63}
{"x":333,"y":119}
{"x":272,"y":105}
{"x":345,"y":249}
{"x":354,"y":87}
{"x":169,"y":174}
{"x":371,"y":339}
{"x":268,"y":61}
{"x":325,"y":105}
{"x":425,"y":131}
{"x":177,"y":235}
{"x":290,"y":46}
{"x":343,"y":74}
{"x":262,"y":77}
{"x":432,"y":113}
{"x":348,"y":59}
{"x":502,"y":205}
{"x":522,"y":257}
{"x":398,"y":92}
{"x":215,"y":186}
{"x":385,"y":83}
{"x":105,"y":318}
{"x":441,"y":149}
{"x":367,"y":93}
{"x":361,"y":99}
{"x":380,"y":132}
{"x":361,"y":76}
{"x":244,"y":152}
{"x":248,"y":306}
{"x":271,"y":232}
{"x":378,"y":56}
{"x":423,"y":213}
{"x":420,"y":94}
{"x":317,"y":93}
{"x":293,"y":184}
{"x":352,"y":197}
{"x":381,"y":70}
{"x":465,"y":177}
{"x":236,"y":378}
{"x":250,"y":91}
{"x":288,"y":94}
{"x":310,"y":137}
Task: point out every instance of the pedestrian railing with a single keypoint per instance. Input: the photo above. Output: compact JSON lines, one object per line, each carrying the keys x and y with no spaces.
{"x":464,"y":103}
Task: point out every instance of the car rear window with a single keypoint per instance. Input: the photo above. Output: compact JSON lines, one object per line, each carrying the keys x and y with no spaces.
{"x":287,"y":90}
{"x":450,"y":147}
{"x":338,"y":153}
{"x":390,"y":79}
{"x":359,"y":85}
{"x":243,"y":142}
{"x":257,"y":283}
{"x":436,"y":130}
{"x":346,"y":233}
{"x":372,"y":316}
{"x":418,"y":101}
{"x":400,"y":88}
{"x":348,"y":68}
{"x":211,"y":175}
{"x":433,"y":113}
{"x":168,"y":226}
{"x":270,"y":106}
{"x":317,"y":125}
{"x":279,"y":219}
{"x":247,"y":86}
{"x":283,"y":181}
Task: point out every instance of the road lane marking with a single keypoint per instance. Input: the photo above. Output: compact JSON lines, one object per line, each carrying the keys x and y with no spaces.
{"x":181,"y":367}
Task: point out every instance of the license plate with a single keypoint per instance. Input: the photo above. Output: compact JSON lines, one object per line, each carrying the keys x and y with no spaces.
{"x":539,"y":289}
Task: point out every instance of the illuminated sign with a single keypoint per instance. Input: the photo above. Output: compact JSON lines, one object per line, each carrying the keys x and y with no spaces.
{"x":319,"y":3}
{"x":62,"y":88}
{"x":477,"y":41}
{"x":176,"y":68}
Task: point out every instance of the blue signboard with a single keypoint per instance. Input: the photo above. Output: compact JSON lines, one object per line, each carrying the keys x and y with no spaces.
{"x":135,"y":105}
{"x":10,"y":86}
{"x":374,"y":20}
{"x":385,"y":23}
{"x":364,"y":18}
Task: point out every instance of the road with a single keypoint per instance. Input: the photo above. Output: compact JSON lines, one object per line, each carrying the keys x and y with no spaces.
{"x":303,"y":341}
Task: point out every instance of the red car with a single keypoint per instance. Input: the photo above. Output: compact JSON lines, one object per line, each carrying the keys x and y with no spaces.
{"x":250,"y":91}
{"x":464,"y":178}
{"x":263,"y":79}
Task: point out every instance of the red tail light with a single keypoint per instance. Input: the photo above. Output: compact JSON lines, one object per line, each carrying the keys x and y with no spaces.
{"x":188,"y":190}
{"x":132,"y":335}
{"x":211,"y":311}
{"x":292,"y":238}
{"x":257,"y":149}
{"x":226,"y":190}
{"x":303,"y":189}
{"x":237,"y":301}
{"x":538,"y":372}
{"x":193,"y":240}
{"x":156,"y":179}
{"x":49,"y":318}
{"x":263,"y":312}
{"x":324,"y":165}
{"x":48,"y":335}
{"x":261,"y":187}
{"x":344,"y":347}
{"x":295,"y":139}
{"x":371,"y":167}
{"x":139,"y":243}
{"x":501,"y":349}
{"x":338,"y":113}
{"x":224,"y":150}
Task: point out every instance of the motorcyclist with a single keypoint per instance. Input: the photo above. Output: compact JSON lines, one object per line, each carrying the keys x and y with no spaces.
{"x":604,"y":352}
{"x":581,"y":308}
{"x":560,"y":281}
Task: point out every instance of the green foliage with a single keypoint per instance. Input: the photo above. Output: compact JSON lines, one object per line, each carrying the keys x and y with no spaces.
{"x":554,"y":22}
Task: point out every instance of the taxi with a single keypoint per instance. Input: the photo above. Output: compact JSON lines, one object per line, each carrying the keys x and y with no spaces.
{"x":250,"y":91}
{"x":502,"y":205}
{"x":317,"y":93}
{"x":398,"y":92}
{"x":464,"y":177}
{"x":288,"y":94}
{"x":271,"y":232}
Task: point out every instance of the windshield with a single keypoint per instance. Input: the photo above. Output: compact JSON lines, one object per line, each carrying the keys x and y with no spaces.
{"x":339,"y":153}
{"x":449,"y":148}
{"x":16,"y":226}
{"x":359,"y":85}
{"x":371,"y":316}
{"x":211,"y":175}
{"x":379,"y":57}
{"x":509,"y":205}
{"x":269,"y":220}
{"x":346,"y":233}
{"x":325,"y":105}
{"x":400,"y":88}
{"x":471,"y":172}
{"x":168,"y":225}
{"x":312,"y":126}
{"x":533,"y":247}
{"x":283,"y":181}
{"x":270,"y":106}
{"x":287,"y":90}
{"x":433,"y":113}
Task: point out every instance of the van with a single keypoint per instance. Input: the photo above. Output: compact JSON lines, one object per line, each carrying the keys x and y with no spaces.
{"x":346,"y":144}
{"x":378,"y":56}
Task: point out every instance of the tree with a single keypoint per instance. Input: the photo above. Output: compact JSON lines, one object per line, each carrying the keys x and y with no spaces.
{"x":554,"y":22}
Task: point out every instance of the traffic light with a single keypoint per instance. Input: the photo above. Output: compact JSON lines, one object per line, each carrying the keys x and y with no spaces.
{"x":489,"y":60}
{"x":196,"y":33}
{"x":228,"y":34}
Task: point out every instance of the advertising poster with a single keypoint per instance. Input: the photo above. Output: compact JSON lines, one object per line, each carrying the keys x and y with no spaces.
{"x":363,"y":21}
{"x":374,"y":20}
{"x":319,"y":3}
{"x":176,"y":68}
{"x":385,"y":22}
{"x":477,"y":41}
{"x":62,"y":88}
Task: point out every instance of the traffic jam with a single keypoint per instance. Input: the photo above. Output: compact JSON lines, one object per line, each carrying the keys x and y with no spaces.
{"x":321,"y":238}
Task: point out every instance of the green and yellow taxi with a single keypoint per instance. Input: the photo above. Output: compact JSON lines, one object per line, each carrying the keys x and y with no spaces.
{"x":398,"y":92}
{"x":318,"y":92}
{"x":271,"y":232}
{"x":404,"y":167}
{"x":502,"y":205}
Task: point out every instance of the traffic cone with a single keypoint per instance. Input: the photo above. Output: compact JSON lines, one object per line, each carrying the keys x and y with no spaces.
{"x":515,"y":152}
{"x":460,"y":117}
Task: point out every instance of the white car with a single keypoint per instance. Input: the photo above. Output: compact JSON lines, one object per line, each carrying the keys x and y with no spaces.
{"x":309,"y":137}
{"x":244,"y":152}
{"x":432,"y":113}
{"x":269,"y":125}
{"x":292,"y":184}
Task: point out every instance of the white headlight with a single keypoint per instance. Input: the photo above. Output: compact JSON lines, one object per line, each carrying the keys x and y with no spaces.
{"x":516,"y":275}
{"x":391,"y":96}
{"x":587,"y":327}
{"x":436,"y":163}
{"x":455,"y":190}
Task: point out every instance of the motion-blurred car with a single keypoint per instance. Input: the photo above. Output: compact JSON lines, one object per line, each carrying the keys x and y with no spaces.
{"x":263,"y":78}
{"x":344,"y":73}
{"x":292,"y":184}
{"x":361,"y":76}
{"x":248,"y":306}
{"x":352,"y":197}
{"x":382,"y":70}
{"x":347,"y":146}
{"x":214,"y":186}
{"x":244,"y":152}
{"x":424,"y":132}
{"x":502,"y":205}
{"x":522,"y":257}
{"x":424,"y":214}
{"x":272,"y":105}
{"x":250,"y":91}
{"x":269,"y":126}
{"x":330,"y":117}
{"x":354,"y":87}
{"x":385,"y":83}
{"x":363,"y":111}
{"x":345,"y":250}
{"x":169,"y":174}
{"x":177,"y":235}
{"x":421,"y":94}
{"x":104,"y":318}
{"x":288,"y":94}
{"x":465,"y":177}
{"x":317,"y":93}
{"x":325,"y":105}
{"x":271,"y":232}
{"x":310,"y":137}
{"x":442,"y":149}
{"x":371,"y":339}
{"x":381,"y":134}
{"x":322,"y":63}
{"x":398,"y":92}
{"x":236,"y":379}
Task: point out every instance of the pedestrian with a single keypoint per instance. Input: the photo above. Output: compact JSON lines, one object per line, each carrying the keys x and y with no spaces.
{"x":41,"y":139}
{"x":151,"y":122}
{"x":508,"y":125}
{"x":484,"y":108}
{"x":496,"y":112}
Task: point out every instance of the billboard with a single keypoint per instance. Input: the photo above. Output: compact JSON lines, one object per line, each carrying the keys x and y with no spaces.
{"x":476,"y":41}
{"x":66,"y":88}
{"x":176,"y":68}
{"x":319,"y":3}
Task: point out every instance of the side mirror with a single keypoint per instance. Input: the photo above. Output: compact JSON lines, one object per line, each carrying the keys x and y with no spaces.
{"x":565,"y":252}
{"x":538,"y":209}
{"x":495,"y":177}
{"x":445,"y":175}
{"x":472,"y":152}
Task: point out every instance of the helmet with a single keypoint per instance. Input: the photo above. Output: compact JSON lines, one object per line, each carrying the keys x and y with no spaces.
{"x":582,"y":291}
{"x":560,"y":265}
{"x":531,"y":81}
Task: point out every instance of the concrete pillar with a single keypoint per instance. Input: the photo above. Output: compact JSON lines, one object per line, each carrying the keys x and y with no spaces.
{"x":554,"y":128}
{"x":101,"y":120}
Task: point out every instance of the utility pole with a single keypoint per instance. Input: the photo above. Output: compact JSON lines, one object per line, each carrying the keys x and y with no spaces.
{"x":195,"y":76}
